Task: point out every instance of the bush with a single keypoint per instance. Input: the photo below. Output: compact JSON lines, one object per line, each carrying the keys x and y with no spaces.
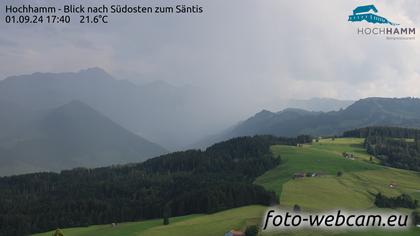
{"x":166,"y":214}
{"x":251,"y":230}
{"x":415,"y":218}
{"x":58,"y":232}
{"x":296,"y":208}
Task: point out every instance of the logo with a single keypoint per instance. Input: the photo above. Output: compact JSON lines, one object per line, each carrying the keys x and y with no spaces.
{"x":390,"y":30}
{"x":362,"y":13}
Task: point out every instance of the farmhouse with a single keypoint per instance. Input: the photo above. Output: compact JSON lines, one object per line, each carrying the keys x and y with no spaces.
{"x":299,"y":175}
{"x":349,"y":156}
{"x":393,"y":185}
{"x":307,"y":174}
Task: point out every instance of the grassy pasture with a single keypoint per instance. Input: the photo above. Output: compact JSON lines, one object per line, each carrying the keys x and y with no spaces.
{"x":353,"y":190}
{"x":207,"y":225}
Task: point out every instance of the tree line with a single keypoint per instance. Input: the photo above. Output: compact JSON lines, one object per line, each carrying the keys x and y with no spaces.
{"x":383,"y":131}
{"x":396,"y":147}
{"x":403,"y":201}
{"x":180,"y":183}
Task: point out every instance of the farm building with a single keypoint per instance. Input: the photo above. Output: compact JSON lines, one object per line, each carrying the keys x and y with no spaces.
{"x":393,"y":185}
{"x":307,"y":174}
{"x":349,"y":156}
{"x":299,"y":175}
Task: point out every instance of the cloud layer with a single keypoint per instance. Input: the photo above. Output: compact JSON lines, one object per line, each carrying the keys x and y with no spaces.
{"x":251,"y":53}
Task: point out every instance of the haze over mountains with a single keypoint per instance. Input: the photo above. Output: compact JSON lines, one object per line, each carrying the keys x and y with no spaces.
{"x":401,"y":112}
{"x":72,"y":135}
{"x":133,"y":107}
{"x":155,"y":110}
{"x":317,"y":104}
{"x":55,"y":121}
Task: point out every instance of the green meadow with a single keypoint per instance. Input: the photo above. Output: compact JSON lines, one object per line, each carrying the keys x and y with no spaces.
{"x":324,"y":157}
{"x":360,"y":179}
{"x":208,"y":225}
{"x":124,"y":229}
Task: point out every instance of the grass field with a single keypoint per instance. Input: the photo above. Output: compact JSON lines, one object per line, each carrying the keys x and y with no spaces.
{"x":353,"y":190}
{"x":322,"y":157}
{"x":124,"y":229}
{"x":208,"y":225}
{"x":212,"y":225}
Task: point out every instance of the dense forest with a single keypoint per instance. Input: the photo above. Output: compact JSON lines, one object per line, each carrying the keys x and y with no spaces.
{"x":396,"y":147}
{"x":391,"y":132}
{"x":404,"y":201}
{"x":180,"y":183}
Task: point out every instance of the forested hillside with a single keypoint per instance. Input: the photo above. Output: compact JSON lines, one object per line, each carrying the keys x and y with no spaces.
{"x":400,"y":112}
{"x":174,"y":184}
{"x":391,"y":132}
{"x":396,"y":147}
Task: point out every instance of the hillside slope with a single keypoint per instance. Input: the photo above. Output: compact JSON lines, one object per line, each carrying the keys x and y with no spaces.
{"x":353,"y":190}
{"x":401,"y":112}
{"x":182,"y":183}
{"x":156,"y":110}
{"x":207,"y":225}
{"x":73,"y":135}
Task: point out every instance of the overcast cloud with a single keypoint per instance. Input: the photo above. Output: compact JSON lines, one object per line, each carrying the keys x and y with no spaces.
{"x":252,"y":53}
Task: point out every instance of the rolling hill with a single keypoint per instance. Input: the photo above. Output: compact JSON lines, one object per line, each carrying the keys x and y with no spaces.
{"x":72,"y":135}
{"x":180,"y":183}
{"x":207,"y":225}
{"x":353,"y":190}
{"x":401,"y":112}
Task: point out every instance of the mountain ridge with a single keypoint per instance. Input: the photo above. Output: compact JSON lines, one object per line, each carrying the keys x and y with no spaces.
{"x":404,"y":112}
{"x":156,"y":110}
{"x":69,"y":136}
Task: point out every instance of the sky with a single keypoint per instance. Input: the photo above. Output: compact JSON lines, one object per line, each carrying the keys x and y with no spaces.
{"x":247,"y":51}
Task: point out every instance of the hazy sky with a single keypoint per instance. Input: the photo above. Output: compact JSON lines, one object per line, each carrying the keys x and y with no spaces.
{"x":256,"y":51}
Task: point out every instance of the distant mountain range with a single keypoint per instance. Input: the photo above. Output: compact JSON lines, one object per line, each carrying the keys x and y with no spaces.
{"x":155,"y":110}
{"x":55,"y":121}
{"x":401,"y":112}
{"x":72,"y":135}
{"x":318,"y":104}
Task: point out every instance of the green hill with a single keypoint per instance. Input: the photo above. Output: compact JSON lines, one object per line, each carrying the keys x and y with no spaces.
{"x":181,"y":183}
{"x":353,"y":190}
{"x":213,"y":224}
